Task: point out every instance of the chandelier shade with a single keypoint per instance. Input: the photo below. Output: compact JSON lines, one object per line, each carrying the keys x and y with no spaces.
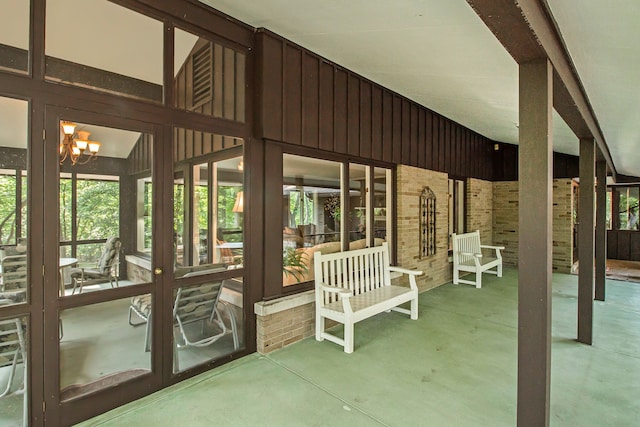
{"x":76,"y":145}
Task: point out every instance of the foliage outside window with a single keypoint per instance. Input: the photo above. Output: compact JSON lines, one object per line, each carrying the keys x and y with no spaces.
{"x":624,"y":206}
{"x":8,"y":196}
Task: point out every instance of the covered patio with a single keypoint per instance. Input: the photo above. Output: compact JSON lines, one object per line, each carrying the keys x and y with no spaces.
{"x":455,"y":366}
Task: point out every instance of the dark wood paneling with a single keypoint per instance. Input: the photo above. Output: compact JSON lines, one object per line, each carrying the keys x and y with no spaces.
{"x":340,"y":114}
{"x":397,"y":129}
{"x":365,"y":120}
{"x":612,"y":244}
{"x":422,"y":143}
{"x":624,"y":245}
{"x":310,"y":100}
{"x":326,"y":107}
{"x":271,"y":89}
{"x":376,"y":123}
{"x":353,"y":115}
{"x":293,"y":95}
{"x":387,"y":126}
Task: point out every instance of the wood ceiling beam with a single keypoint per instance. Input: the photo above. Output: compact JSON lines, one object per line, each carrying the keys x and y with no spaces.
{"x":528,"y":31}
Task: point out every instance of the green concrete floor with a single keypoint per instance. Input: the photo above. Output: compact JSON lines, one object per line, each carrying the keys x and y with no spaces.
{"x":455,"y":366}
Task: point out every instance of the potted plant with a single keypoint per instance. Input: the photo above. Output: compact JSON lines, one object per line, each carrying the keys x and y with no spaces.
{"x":294,"y":263}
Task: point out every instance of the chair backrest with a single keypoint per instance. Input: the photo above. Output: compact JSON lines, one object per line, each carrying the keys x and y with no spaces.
{"x":359,"y":270}
{"x":110,"y":254}
{"x":12,"y":344}
{"x":467,"y":242}
{"x":14,"y":272}
{"x":195,"y":303}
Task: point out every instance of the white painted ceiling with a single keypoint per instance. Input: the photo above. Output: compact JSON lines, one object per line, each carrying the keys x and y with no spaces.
{"x":441,"y":55}
{"x":435,"y":52}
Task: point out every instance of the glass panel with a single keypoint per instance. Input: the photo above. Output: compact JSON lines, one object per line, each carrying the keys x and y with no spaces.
{"x":101,"y":347}
{"x":312,"y":209}
{"x":208,"y":322}
{"x":14,"y":346}
{"x":13,"y":201}
{"x":358,"y":188}
{"x":208,"y":202}
{"x":608,"y":210}
{"x":106,"y":215}
{"x":628,"y":207}
{"x":382,"y":228}
{"x":14,"y":35}
{"x":120,"y":60}
{"x":209,"y":78}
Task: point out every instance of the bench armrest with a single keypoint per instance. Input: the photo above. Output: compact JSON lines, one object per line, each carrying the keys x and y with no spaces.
{"x":412,"y":275}
{"x":342,"y":292}
{"x":492,"y":247}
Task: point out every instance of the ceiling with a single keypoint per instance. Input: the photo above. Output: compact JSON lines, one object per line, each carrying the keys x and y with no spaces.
{"x":441,"y":55}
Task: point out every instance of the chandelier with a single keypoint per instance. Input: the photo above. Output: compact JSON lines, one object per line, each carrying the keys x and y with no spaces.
{"x":79,"y":149}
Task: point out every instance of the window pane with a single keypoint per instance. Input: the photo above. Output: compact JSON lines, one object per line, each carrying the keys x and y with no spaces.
{"x":358,"y":188}
{"x":208,"y":322}
{"x":98,"y":204}
{"x":381,"y":204}
{"x":101,"y":347}
{"x":312,"y":214}
{"x":208,"y":202}
{"x":117,"y":61}
{"x":14,"y":280}
{"x":13,"y":371}
{"x":105,"y":215}
{"x":209,"y":77}
{"x":628,"y":207}
{"x":14,"y":35}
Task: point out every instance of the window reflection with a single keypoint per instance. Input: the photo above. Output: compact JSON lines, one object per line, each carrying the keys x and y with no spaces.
{"x":208,"y":203}
{"x":106,"y":212}
{"x":312,"y":214}
{"x":14,"y":280}
{"x":14,"y":35}
{"x":14,"y":390}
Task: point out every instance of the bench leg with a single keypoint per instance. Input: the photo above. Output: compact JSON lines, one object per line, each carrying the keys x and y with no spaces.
{"x":348,"y":337}
{"x":456,"y":276}
{"x":478,"y":279}
{"x":319,"y":327}
{"x":500,"y":270}
{"x":414,"y":309}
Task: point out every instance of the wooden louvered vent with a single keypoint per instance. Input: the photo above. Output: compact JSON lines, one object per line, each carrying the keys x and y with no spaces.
{"x":202,"y":76}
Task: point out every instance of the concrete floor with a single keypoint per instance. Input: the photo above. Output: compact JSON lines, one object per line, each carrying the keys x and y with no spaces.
{"x":455,"y":366}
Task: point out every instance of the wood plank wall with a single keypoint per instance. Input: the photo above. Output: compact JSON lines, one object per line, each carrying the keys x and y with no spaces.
{"x":227,"y":82}
{"x":141,"y":154}
{"x":189,"y":144}
{"x":505,"y":164}
{"x":306,"y":100}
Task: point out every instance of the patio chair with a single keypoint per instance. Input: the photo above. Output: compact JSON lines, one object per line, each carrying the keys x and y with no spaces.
{"x":13,"y":275}
{"x":193,"y":304}
{"x":12,"y":353}
{"x":107,"y":268}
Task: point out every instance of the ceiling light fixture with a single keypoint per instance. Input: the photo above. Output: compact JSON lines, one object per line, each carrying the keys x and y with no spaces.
{"x":76,"y":145}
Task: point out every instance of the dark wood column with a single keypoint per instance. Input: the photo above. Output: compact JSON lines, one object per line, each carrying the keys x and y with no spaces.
{"x":601,"y":228}
{"x":535,"y":243}
{"x":586,"y":251}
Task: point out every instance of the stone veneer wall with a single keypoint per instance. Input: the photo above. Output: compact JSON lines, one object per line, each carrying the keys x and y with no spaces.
{"x":480,"y":209}
{"x":410,"y":183}
{"x":505,"y":222}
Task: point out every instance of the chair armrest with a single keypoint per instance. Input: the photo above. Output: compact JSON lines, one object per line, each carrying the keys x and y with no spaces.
{"x":470,"y":254}
{"x":491,"y":247}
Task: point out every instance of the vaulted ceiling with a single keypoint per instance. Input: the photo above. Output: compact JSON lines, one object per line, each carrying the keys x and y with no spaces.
{"x":442,"y":55}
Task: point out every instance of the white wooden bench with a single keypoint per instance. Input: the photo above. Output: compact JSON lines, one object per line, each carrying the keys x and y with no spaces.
{"x":354,"y":285}
{"x":467,"y":256}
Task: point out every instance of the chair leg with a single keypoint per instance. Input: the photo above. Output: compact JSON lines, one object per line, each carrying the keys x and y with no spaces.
{"x":499,"y":270}
{"x":478,"y":279}
{"x":147,"y":335}
{"x":319,"y":327}
{"x":414,"y":309}
{"x":348,"y":337}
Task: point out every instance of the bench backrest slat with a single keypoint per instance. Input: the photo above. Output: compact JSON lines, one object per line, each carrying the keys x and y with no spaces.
{"x":467,"y":242}
{"x":360,"y":270}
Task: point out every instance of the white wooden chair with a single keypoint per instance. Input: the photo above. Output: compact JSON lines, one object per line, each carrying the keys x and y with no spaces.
{"x":468,"y":257}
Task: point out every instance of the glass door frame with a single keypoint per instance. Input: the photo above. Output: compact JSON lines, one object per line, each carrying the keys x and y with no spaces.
{"x":80,"y":408}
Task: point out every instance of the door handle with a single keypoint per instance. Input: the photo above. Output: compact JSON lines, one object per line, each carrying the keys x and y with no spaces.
{"x":157,"y":271}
